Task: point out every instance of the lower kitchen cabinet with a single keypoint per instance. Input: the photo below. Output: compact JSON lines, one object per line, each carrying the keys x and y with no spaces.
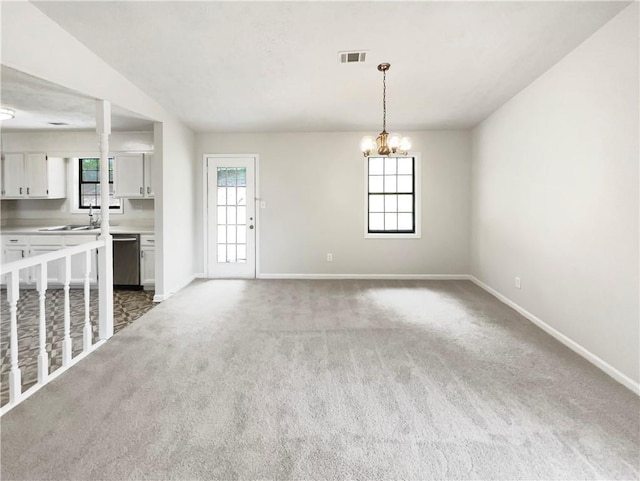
{"x":147,"y":261}
{"x":19,"y":247}
{"x":55,"y":269}
{"x":14,"y":253}
{"x":78,"y":261}
{"x":42,"y":244}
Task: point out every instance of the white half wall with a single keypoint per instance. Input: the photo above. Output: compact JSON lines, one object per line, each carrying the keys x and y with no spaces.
{"x":34,"y":44}
{"x":313,"y":186}
{"x":555,"y":197}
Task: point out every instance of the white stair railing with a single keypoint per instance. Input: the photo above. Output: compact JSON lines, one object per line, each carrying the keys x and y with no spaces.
{"x":11,"y":271}
{"x":43,"y":358}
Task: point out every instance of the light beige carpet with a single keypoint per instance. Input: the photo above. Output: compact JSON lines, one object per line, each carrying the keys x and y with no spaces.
{"x":327,"y":380}
{"x":127,"y":307}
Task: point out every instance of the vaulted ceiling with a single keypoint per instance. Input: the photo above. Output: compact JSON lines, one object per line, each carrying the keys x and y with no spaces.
{"x":273,"y":66}
{"x":46,"y":106}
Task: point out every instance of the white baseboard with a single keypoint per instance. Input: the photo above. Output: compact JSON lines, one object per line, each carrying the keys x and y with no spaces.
{"x":449,"y":277}
{"x":570,"y":343}
{"x":179,"y":287}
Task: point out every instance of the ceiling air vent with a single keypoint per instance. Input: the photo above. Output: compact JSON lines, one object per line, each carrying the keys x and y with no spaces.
{"x":352,"y":57}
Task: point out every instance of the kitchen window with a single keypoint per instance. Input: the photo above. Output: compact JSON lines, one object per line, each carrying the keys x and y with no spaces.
{"x":89,"y":184}
{"x":392,"y":197}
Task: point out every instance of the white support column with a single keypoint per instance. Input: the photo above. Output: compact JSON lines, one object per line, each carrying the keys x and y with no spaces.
{"x":66,"y":340}
{"x":86,"y":332}
{"x":43,"y":356}
{"x":105,"y":254}
{"x":15,"y":378}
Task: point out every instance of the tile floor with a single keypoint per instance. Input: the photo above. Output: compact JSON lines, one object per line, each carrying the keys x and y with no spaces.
{"x":127,"y":307}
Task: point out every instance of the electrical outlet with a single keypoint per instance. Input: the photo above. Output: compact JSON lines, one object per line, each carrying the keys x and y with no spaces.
{"x":517,"y":283}
{"x":329,"y":257}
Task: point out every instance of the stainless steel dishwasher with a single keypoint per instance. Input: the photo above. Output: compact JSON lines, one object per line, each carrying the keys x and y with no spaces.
{"x":126,"y":261}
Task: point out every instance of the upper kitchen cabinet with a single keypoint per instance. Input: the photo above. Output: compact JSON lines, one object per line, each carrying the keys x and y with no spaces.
{"x":148,"y":177}
{"x":132,"y":176}
{"x":33,"y":176}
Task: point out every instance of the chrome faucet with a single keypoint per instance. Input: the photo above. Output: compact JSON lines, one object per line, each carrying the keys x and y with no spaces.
{"x":92,"y":222}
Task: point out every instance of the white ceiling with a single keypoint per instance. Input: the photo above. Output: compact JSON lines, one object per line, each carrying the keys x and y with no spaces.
{"x":38,"y":103}
{"x":272,"y":66}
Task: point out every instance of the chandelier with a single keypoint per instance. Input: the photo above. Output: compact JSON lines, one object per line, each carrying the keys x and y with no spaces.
{"x":385,"y":143}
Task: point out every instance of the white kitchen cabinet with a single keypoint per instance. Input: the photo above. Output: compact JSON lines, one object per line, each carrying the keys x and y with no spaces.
{"x":33,"y":176}
{"x":42,"y":244}
{"x":14,"y":249}
{"x":55,"y":269}
{"x":78,"y":261}
{"x":147,"y":261}
{"x":12,"y":176}
{"x":22,"y":246}
{"x":128,"y":177}
{"x":132,"y":176}
{"x":148,"y":176}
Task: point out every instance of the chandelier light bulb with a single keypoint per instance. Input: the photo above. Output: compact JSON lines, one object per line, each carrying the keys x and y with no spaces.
{"x":405,"y":145}
{"x":367,"y":144}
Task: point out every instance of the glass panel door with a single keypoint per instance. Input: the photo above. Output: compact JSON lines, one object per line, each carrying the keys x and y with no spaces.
{"x":231,"y":217}
{"x":232,"y":214}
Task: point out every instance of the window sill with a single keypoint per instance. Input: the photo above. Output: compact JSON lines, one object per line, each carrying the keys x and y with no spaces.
{"x":76,"y":210}
{"x":392,"y":236}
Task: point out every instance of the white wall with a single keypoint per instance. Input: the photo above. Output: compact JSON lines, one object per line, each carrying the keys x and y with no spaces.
{"x":555,"y":197}
{"x":66,"y":145}
{"x":179,"y":222}
{"x":34,"y":44}
{"x":313,"y":184}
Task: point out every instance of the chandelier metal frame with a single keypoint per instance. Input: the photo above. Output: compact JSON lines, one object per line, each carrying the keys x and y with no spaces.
{"x":385,"y":143}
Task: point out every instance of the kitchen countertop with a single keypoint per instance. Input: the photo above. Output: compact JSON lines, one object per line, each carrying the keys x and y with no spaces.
{"x":115,"y":229}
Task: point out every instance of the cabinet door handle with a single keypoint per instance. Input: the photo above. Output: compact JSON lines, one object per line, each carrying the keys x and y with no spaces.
{"x":20,"y":190}
{"x":27,"y":190}
{"x":22,"y":251}
{"x":148,"y":190}
{"x":141,"y":191}
{"x":141,"y":254}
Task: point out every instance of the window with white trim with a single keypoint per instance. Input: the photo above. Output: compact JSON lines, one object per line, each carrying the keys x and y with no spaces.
{"x":392,"y":190}
{"x":89,"y":184}
{"x":85,"y":185}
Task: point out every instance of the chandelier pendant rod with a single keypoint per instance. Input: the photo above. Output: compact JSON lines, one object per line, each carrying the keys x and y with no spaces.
{"x":384,"y":100}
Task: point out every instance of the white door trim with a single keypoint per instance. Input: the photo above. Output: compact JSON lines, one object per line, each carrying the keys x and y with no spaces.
{"x":205,"y":209}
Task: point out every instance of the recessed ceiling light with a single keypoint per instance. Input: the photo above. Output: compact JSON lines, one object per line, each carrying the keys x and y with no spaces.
{"x":6,"y":114}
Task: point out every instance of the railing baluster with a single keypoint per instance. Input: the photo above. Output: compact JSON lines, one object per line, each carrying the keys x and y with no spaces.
{"x":43,"y":356}
{"x":37,"y":266}
{"x":87,"y":334}
{"x":66,"y":341}
{"x":13,"y":294}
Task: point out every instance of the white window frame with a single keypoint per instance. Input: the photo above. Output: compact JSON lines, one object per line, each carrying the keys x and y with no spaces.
{"x":74,"y":178}
{"x":417,"y":173}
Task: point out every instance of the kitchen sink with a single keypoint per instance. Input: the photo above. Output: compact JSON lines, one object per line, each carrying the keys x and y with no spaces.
{"x":69,"y":227}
